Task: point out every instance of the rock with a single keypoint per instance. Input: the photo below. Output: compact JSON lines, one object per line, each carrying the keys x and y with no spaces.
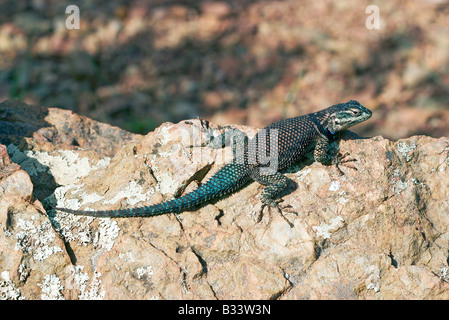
{"x":216,"y":8}
{"x":32,"y":255}
{"x":40,"y":139}
{"x":380,"y":231}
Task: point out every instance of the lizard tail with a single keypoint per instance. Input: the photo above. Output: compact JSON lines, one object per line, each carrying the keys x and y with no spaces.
{"x":226,"y":180}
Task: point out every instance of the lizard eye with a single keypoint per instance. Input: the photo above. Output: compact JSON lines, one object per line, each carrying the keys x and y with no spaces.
{"x":355,"y":112}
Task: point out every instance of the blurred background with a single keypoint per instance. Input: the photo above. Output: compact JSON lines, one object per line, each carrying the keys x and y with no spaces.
{"x":136,"y":64}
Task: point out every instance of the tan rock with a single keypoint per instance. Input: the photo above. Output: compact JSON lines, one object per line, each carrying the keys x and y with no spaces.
{"x":33,"y":258}
{"x":380,"y":231}
{"x":215,"y":8}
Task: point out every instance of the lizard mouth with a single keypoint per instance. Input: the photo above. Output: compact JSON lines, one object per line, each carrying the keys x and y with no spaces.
{"x":351,"y":117}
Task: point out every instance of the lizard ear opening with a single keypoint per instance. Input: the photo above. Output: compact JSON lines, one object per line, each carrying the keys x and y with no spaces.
{"x":332,"y":125}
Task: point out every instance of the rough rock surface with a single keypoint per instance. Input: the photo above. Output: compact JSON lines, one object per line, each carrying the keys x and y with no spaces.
{"x":380,"y":231}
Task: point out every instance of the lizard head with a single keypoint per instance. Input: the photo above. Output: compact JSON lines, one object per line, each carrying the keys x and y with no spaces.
{"x":345,"y":115}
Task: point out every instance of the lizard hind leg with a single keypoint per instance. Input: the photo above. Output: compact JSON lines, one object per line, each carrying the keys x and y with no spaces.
{"x":216,"y":139}
{"x":275,"y":184}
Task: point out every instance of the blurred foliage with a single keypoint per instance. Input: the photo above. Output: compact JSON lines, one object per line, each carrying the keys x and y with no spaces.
{"x":137,"y":63}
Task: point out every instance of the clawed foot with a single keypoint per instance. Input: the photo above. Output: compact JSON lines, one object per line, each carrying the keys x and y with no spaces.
{"x":220,"y":138}
{"x":275,"y":204}
{"x":207,"y":131}
{"x":341,"y":159}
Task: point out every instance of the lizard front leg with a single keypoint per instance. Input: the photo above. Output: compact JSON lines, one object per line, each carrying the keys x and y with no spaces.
{"x":324,"y":154}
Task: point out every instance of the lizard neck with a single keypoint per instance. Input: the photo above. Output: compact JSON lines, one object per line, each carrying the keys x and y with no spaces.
{"x":321,"y":123}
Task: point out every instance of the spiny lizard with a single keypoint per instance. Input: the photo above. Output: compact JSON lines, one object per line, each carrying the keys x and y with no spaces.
{"x":261,"y":159}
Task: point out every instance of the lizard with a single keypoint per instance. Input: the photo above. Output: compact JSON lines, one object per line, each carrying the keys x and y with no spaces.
{"x":282,"y":143}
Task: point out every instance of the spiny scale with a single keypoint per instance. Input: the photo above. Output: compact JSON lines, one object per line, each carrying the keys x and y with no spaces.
{"x":293,"y":137}
{"x":226,"y":180}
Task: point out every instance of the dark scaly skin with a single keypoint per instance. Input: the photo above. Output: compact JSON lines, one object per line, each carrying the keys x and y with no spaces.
{"x":289,"y":139}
